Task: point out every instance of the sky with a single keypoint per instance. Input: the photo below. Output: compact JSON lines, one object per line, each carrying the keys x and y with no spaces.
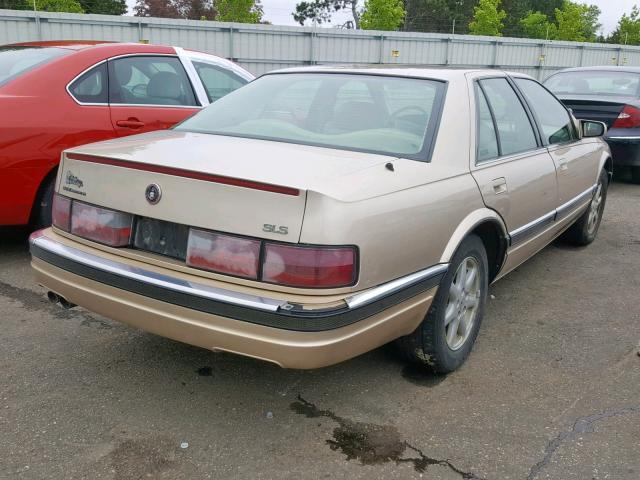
{"x":279,"y":12}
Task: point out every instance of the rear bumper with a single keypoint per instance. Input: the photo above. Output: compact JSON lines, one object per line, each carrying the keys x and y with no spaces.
{"x":625,"y":150}
{"x":291,"y":335}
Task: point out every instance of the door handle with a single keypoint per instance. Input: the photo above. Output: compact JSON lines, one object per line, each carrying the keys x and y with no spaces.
{"x":130,"y":123}
{"x":563,"y":164}
{"x":499,"y":185}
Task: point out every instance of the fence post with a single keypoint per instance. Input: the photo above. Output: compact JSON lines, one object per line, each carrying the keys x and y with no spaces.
{"x":541,"y":59}
{"x":447,"y":45}
{"x":381,"y":56}
{"x":496,"y":45}
{"x":140,"y":38}
{"x":312,"y":36}
{"x":582,"y":47}
{"x":231,"y":43}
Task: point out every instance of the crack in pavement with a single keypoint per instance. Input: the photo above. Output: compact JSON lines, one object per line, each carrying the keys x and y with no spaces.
{"x":580,"y":426}
{"x":31,"y":300}
{"x":373,"y":444}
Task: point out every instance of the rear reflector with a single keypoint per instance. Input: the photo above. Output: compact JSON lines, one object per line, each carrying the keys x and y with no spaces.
{"x":223,"y":253}
{"x":295,"y":266}
{"x":180,"y":172}
{"x":628,"y":118}
{"x":61,"y":212}
{"x":101,"y":224}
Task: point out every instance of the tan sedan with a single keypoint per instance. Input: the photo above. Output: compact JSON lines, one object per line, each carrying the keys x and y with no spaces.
{"x":318,"y":213}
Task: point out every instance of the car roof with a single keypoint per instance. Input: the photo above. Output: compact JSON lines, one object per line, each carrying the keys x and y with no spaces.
{"x":408,"y":70}
{"x":602,"y":68}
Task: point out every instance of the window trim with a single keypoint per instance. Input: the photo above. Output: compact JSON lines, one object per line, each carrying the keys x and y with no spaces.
{"x":575,"y":136}
{"x":525,"y":107}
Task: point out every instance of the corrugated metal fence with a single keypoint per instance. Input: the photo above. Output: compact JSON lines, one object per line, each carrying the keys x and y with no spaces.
{"x":260,"y":48}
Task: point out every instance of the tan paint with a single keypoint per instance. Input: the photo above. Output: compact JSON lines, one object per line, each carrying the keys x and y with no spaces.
{"x":286,"y":348}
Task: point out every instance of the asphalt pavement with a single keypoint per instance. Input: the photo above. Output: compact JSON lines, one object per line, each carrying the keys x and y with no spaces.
{"x":551,"y":390}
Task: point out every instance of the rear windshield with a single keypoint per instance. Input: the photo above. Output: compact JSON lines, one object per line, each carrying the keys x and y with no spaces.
{"x":595,"y":83}
{"x":379,"y":114}
{"x":15,"y":61}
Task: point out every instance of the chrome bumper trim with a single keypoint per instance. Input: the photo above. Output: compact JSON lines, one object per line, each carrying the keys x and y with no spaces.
{"x":153,"y":278}
{"x":385,"y":289}
{"x":358,"y":302}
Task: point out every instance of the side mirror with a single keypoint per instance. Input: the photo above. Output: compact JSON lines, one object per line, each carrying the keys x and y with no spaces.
{"x":591,"y":128}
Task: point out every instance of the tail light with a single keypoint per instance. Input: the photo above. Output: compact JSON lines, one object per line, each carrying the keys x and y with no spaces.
{"x":61,"y":212}
{"x":298,"y":266}
{"x":628,"y":118}
{"x":101,"y":224}
{"x":223,"y":253}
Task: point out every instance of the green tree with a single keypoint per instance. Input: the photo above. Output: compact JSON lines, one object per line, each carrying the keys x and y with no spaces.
{"x":69,"y":6}
{"x":487,"y":19}
{"x":577,"y":22}
{"x":438,"y":15}
{"x":187,"y":9}
{"x":15,"y":5}
{"x":537,"y":25}
{"x":382,"y":15}
{"x":241,"y":11}
{"x":628,"y":29}
{"x":320,"y":11}
{"x":519,"y":9}
{"x":104,"y":7}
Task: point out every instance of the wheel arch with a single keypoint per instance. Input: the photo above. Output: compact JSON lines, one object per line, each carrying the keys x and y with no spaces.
{"x":47,"y":177}
{"x":489,"y":227}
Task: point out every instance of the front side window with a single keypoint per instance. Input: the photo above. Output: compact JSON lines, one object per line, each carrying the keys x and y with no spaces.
{"x":514,"y":128}
{"x":15,"y":61}
{"x":150,"y":80}
{"x":217,"y":81}
{"x":91,"y":87}
{"x":378,"y":114}
{"x":553,"y":118}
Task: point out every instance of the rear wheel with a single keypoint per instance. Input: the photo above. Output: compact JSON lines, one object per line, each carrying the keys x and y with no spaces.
{"x":584,"y":230}
{"x":446,"y":336}
{"x":42,"y":208}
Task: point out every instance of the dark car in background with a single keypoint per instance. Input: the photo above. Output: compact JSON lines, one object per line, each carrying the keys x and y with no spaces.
{"x":611,"y":95}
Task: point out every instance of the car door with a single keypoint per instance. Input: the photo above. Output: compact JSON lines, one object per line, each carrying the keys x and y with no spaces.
{"x":576,"y":160}
{"x":149,"y":92}
{"x":516,"y":175}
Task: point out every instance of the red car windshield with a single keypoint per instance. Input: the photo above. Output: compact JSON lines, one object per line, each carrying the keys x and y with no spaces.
{"x":14,"y":61}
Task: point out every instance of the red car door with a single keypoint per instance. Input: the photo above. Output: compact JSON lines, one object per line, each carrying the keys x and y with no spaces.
{"x":148,"y":92}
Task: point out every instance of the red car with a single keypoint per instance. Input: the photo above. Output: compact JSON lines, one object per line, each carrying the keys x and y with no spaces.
{"x":57,"y":95}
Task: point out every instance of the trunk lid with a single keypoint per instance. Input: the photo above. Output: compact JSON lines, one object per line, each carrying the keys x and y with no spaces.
{"x":596,"y":107}
{"x":236,"y":185}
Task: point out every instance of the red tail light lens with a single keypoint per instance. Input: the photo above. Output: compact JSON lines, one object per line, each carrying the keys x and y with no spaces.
{"x":101,"y":224}
{"x":628,"y":118}
{"x":223,"y":253}
{"x":61,"y":212}
{"x":297,"y":266}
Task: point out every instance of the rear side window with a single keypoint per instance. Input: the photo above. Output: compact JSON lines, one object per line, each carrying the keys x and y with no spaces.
{"x":217,"y":80}
{"x":487,"y":139}
{"x":515,"y":131}
{"x":551,"y":115}
{"x":91,"y":87}
{"x":15,"y":61}
{"x":149,"y":80}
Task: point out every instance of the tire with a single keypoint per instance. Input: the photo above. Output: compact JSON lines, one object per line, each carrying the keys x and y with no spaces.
{"x":585,"y":228}
{"x":635,"y":175}
{"x":44,"y":201}
{"x":429,"y":344}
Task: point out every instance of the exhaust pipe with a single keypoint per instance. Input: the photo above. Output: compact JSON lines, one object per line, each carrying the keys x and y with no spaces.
{"x":64,"y":303}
